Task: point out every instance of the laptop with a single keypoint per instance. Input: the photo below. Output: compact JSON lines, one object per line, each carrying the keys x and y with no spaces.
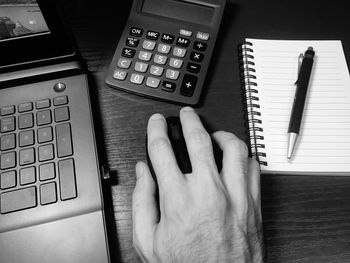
{"x":51,"y":199}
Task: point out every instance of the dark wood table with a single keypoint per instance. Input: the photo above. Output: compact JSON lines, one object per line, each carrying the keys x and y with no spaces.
{"x":306,"y":218}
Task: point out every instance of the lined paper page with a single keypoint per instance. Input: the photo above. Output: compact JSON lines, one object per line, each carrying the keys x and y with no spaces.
{"x":323,"y":144}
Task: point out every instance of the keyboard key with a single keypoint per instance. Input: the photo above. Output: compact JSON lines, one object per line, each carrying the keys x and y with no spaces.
{"x":8,"y":160}
{"x":66,"y":171}
{"x":42,"y":104}
{"x":188,"y":85}
{"x":163,"y":48}
{"x":61,"y":114}
{"x":148,"y":45}
{"x":18,"y":200}
{"x":25,"y":121}
{"x":45,"y":134}
{"x":8,"y":180}
{"x":27,"y":175}
{"x":152,"y":82}
{"x":172,"y":74}
{"x":43,"y":117}
{"x":136,"y":32}
{"x":48,"y":193}
{"x":179,"y":52}
{"x":160,"y":59}
{"x":8,"y":142}
{"x":145,"y":56}
{"x":132,"y":42}
{"x":27,"y":156}
{"x":61,"y":100}
{"x":124,"y":63}
{"x":119,"y":74}
{"x":168,"y":86}
{"x":47,"y":171}
{"x":175,"y":63}
{"x":45,"y":153}
{"x":64,"y":140}
{"x":136,"y":78}
{"x":7,"y":110}
{"x":26,"y":106}
{"x":156,"y":71}
{"x":26,"y":138}
{"x":141,"y":67}
{"x":8,"y":124}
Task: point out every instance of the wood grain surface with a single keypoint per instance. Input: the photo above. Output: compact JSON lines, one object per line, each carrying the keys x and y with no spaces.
{"x":306,"y":218}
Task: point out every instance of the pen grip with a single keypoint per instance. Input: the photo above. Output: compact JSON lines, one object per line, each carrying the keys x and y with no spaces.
{"x":300,"y":95}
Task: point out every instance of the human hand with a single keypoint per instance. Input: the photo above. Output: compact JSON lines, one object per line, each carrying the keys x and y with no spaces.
{"x":205,"y":216}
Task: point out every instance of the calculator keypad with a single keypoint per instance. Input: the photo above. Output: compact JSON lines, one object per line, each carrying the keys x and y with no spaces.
{"x":159,"y":60}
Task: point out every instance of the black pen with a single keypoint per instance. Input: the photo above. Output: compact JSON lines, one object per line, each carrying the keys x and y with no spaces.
{"x":302,"y":84}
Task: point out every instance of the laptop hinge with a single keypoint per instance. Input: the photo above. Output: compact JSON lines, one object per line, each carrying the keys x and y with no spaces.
{"x":26,"y":76}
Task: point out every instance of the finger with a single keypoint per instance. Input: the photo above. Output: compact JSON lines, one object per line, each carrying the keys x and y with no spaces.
{"x":198,"y":141}
{"x":254,"y":183}
{"x":234,"y":168}
{"x":161,"y":153}
{"x":145,"y":213}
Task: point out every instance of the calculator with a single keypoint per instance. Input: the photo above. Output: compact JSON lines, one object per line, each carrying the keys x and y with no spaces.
{"x":165,"y":49}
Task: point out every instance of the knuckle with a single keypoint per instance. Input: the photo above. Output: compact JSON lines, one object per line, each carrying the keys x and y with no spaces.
{"x":199,"y":136}
{"x":158,"y":144}
{"x":238,"y":146}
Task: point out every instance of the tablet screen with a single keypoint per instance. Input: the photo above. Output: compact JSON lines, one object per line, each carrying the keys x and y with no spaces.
{"x":21,"y":18}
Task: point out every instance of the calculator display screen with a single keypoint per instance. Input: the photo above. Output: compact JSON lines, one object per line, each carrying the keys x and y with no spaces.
{"x":21,"y":18}
{"x":179,"y":9}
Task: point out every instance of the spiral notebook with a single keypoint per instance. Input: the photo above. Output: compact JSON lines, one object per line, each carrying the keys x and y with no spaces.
{"x":269,"y":70}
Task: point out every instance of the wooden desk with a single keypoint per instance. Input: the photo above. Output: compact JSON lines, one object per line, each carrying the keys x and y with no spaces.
{"x":306,"y":219}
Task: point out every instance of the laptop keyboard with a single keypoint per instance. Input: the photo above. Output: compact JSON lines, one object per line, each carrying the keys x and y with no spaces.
{"x":37,"y":165}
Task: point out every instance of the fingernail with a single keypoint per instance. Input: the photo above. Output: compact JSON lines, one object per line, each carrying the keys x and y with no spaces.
{"x":187,"y":109}
{"x":139,"y":170}
{"x":156,"y":116}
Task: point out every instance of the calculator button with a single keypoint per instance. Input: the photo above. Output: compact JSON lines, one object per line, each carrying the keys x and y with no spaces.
{"x":188,"y":85}
{"x":119,"y":74}
{"x":136,"y":32}
{"x":200,"y":46}
{"x":175,"y":63}
{"x":193,"y":68}
{"x":152,"y":82}
{"x":185,"y":32}
{"x":26,"y":106}
{"x":163,"y":48}
{"x":183,"y":42}
{"x":7,"y":110}
{"x":132,"y":42}
{"x":149,"y":45}
{"x":196,"y":57}
{"x":124,"y":63}
{"x":172,"y":74}
{"x":128,"y":52}
{"x":168,"y":86}
{"x":141,"y":67}
{"x":152,"y":35}
{"x":136,"y":78}
{"x":160,"y":59}
{"x":202,"y":36}
{"x":166,"y":38}
{"x":179,"y":52}
{"x":145,"y":56}
{"x":156,"y":71}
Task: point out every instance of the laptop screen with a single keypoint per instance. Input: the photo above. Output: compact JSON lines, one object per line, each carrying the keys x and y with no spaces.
{"x":21,"y":18}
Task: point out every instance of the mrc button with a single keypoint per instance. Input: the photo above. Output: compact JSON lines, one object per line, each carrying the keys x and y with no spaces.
{"x":152,"y":35}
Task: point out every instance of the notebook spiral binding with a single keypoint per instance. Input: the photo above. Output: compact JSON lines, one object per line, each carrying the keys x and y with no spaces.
{"x":251,"y":102}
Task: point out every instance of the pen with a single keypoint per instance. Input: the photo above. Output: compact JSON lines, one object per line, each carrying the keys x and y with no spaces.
{"x":305,"y":63}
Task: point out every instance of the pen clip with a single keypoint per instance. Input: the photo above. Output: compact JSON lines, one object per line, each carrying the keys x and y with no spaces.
{"x":300,"y":61}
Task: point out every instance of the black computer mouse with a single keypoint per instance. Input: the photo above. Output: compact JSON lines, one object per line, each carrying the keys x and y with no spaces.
{"x":178,"y":144}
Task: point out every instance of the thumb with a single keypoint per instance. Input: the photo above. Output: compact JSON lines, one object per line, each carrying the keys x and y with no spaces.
{"x":145,"y":213}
